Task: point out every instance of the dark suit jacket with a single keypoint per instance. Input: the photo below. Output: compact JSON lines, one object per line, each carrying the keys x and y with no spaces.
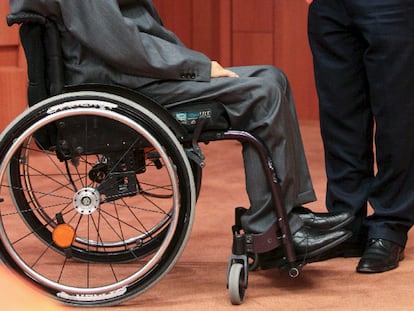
{"x":118,"y":42}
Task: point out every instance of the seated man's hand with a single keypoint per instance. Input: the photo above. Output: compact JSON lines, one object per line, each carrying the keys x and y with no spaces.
{"x":218,"y":71}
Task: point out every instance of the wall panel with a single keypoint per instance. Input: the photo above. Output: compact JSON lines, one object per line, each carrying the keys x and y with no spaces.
{"x":13,"y":93}
{"x":253,"y":48}
{"x":13,"y":79}
{"x":195,"y":22}
{"x":248,"y":16}
{"x":206,"y":27}
{"x":274,"y":32}
{"x":293,"y":56}
{"x":252,"y":32}
{"x":178,"y":18}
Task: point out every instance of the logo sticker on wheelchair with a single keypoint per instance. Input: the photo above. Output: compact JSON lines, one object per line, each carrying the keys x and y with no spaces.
{"x":191,"y":118}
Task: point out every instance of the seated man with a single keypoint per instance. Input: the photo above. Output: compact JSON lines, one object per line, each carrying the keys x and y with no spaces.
{"x":124,"y":42}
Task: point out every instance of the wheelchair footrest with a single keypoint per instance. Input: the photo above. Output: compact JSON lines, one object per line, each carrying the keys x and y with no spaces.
{"x":255,"y":243}
{"x":247,"y":244}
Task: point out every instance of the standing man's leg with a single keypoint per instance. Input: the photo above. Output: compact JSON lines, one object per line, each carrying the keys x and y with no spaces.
{"x":377,"y":46}
{"x":388,"y":27}
{"x":345,"y":115}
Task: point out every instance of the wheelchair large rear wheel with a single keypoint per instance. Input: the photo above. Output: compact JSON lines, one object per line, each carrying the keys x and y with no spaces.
{"x":98,"y":197}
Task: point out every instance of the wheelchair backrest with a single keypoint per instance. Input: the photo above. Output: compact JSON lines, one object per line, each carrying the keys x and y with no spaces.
{"x":40,"y":39}
{"x":41,"y":43}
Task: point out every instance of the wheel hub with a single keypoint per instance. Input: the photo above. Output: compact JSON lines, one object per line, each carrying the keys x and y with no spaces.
{"x":86,"y":200}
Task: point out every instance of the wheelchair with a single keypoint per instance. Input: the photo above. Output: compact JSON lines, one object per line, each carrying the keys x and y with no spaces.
{"x":99,"y":185}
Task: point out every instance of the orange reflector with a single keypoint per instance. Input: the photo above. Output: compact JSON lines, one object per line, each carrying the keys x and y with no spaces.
{"x":63,"y":235}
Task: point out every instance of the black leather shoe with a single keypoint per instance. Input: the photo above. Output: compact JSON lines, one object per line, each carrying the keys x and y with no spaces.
{"x":348,"y":249}
{"x":323,"y":221}
{"x":353,"y":247}
{"x":308,"y":244}
{"x":379,"y":256}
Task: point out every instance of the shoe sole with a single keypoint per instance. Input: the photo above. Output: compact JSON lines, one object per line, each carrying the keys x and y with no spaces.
{"x":340,"y":253}
{"x":383,"y":269}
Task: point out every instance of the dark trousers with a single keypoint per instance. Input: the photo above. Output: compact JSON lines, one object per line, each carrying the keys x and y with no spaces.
{"x":364,"y":69}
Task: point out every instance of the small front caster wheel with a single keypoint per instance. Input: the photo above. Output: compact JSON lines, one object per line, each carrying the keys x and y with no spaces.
{"x":236,"y":283}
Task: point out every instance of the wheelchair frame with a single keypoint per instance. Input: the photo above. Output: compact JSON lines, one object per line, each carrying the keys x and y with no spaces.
{"x":149,"y":142}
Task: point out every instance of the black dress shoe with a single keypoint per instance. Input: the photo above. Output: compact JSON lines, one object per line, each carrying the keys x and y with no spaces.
{"x":379,"y":256}
{"x":348,"y":249}
{"x":308,"y":244}
{"x":323,"y":221}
